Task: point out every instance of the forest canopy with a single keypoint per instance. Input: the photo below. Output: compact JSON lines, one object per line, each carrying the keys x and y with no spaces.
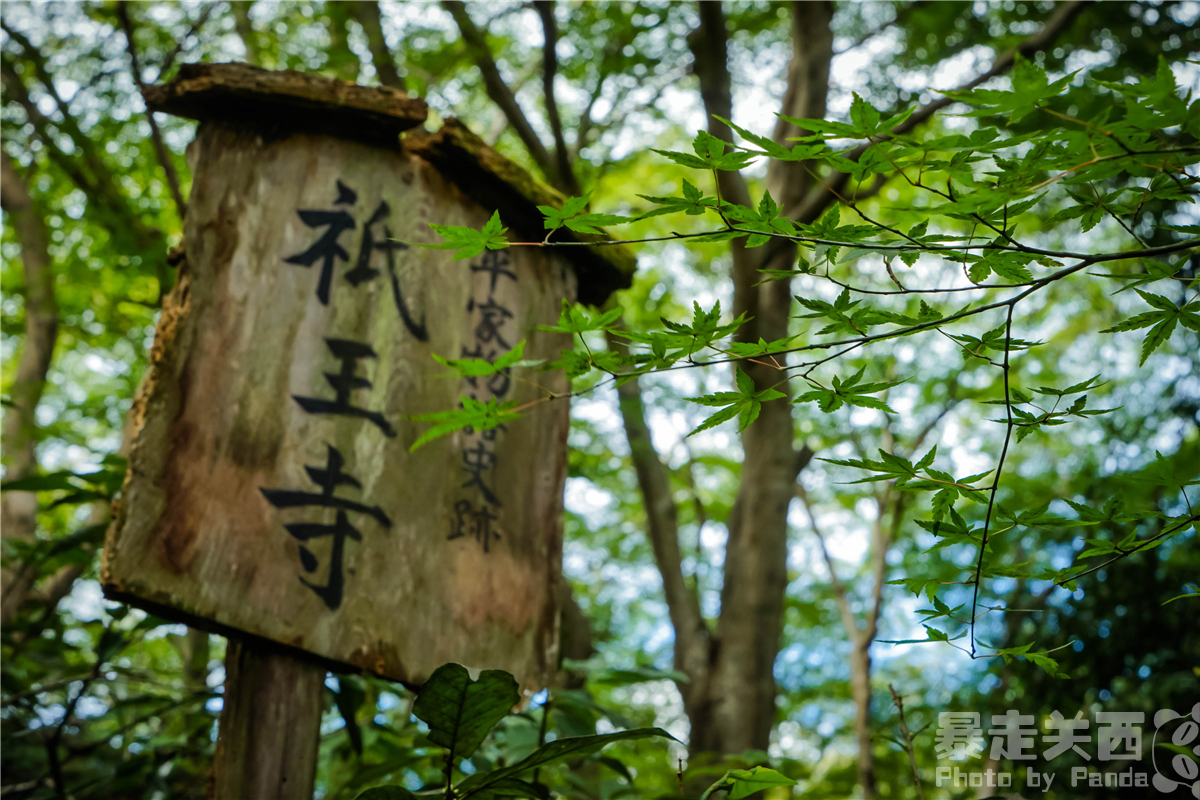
{"x":896,"y":423}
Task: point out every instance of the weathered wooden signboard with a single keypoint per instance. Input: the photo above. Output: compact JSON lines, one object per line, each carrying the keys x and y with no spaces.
{"x":271,"y":487}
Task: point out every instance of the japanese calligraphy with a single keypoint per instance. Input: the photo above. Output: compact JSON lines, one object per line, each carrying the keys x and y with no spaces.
{"x":473,"y":521}
{"x":491,"y":318}
{"x":328,"y":479}
{"x":494,"y":263}
{"x":327,"y":250}
{"x":476,"y":461}
{"x":344,"y":382}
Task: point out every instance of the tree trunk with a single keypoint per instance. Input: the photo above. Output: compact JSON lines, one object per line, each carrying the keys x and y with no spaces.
{"x":860,"y":685}
{"x":752,"y":599}
{"x":367,"y":14}
{"x":18,"y":510}
{"x":694,"y":651}
{"x":245,"y":30}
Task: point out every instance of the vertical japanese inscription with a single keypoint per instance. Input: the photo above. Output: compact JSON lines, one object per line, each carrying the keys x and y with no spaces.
{"x":474,"y":516}
{"x":328,"y":251}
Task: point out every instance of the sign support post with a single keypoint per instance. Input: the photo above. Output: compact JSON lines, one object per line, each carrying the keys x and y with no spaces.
{"x":270,"y":724}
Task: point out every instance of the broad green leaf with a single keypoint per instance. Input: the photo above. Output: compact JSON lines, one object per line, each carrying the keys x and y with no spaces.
{"x":746,"y":782}
{"x":461,"y":711}
{"x":560,"y":749}
{"x":387,"y":793}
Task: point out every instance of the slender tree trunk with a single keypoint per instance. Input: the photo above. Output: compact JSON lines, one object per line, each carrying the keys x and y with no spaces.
{"x":18,"y":510}
{"x":860,"y":685}
{"x":245,"y":30}
{"x":752,"y":598}
{"x":694,"y":647}
{"x":368,"y":15}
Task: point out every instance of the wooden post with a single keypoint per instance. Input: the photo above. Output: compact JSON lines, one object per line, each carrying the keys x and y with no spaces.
{"x":270,"y":724}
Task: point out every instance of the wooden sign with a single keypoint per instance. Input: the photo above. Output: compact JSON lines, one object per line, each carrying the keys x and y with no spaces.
{"x":271,"y":487}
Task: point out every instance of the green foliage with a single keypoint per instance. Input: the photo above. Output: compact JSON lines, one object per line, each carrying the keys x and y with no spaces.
{"x":478,"y":414}
{"x":739,"y":783}
{"x":460,"y":711}
{"x":468,"y":242}
{"x":573,"y":216}
{"x":745,"y":404}
{"x":1043,"y":186}
{"x":1163,"y":319}
{"x":850,"y":392}
{"x":98,"y":485}
{"x":478,"y":367}
{"x":952,"y":175}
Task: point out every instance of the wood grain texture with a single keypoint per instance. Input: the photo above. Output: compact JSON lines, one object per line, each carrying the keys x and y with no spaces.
{"x":288,"y":100}
{"x":270,"y":726}
{"x":244,"y":333}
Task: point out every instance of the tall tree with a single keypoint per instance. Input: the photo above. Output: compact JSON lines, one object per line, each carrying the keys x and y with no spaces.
{"x":19,"y":509}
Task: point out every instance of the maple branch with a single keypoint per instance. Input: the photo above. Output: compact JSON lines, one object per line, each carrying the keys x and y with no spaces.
{"x":820,"y":197}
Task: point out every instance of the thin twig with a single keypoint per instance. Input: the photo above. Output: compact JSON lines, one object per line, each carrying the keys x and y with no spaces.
{"x":156,"y":138}
{"x":169,"y":61}
{"x":999,"y":468}
{"x":908,"y":742}
{"x":1141,"y":546}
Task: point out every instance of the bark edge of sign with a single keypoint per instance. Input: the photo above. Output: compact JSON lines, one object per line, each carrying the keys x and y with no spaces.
{"x":496,"y":182}
{"x":288,"y":100}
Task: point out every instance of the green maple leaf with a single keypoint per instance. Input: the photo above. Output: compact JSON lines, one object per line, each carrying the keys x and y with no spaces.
{"x":1161,"y":321}
{"x":745,"y":404}
{"x":469,"y":242}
